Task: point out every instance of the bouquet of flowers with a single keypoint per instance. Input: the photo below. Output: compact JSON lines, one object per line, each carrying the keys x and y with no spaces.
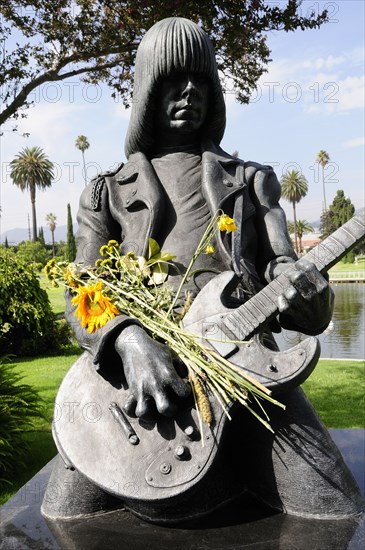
{"x":133,"y":285}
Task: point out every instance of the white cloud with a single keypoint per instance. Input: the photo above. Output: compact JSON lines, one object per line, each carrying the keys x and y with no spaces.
{"x":324,"y":63}
{"x":49,"y":123}
{"x":355,"y":142}
{"x":325,"y":85}
{"x":352,"y":93}
{"x":339,"y":96}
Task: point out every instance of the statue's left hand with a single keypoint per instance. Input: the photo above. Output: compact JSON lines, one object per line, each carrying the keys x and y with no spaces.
{"x":307,"y":303}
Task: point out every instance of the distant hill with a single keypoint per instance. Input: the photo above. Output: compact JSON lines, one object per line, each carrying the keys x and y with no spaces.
{"x":19,"y":234}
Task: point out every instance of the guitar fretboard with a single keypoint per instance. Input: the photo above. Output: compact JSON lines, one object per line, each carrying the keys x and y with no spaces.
{"x":243,"y":321}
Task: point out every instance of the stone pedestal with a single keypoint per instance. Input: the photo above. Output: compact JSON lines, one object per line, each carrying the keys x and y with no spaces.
{"x":244,"y":525}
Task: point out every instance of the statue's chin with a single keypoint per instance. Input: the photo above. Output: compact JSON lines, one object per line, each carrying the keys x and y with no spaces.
{"x":185,"y":126}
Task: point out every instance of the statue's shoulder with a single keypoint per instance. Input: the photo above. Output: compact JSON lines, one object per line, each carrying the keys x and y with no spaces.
{"x":262,"y":183}
{"x":100,"y":183}
{"x":255,"y":169}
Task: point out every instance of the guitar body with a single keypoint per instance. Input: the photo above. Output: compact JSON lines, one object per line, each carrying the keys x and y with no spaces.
{"x":152,"y":461}
{"x":165,"y":458}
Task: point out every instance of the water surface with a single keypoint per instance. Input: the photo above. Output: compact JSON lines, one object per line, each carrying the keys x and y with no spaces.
{"x":345,"y":337}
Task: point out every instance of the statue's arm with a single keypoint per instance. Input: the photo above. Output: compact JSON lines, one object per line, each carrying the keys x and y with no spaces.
{"x":95,"y":228}
{"x":148,"y":366}
{"x":307,"y":304}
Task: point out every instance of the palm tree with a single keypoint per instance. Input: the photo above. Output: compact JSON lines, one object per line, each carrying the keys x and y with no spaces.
{"x":82,"y":144}
{"x":31,"y":169}
{"x":303,"y":227}
{"x":290,"y":227}
{"x":51,"y":222}
{"x":294,"y":187}
{"x":322,"y":159}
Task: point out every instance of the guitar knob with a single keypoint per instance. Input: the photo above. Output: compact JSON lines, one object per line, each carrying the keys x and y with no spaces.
{"x":165,"y":468}
{"x":181,"y":452}
{"x":190,"y":432}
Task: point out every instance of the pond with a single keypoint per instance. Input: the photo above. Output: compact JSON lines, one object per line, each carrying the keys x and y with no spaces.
{"x":345,"y":337}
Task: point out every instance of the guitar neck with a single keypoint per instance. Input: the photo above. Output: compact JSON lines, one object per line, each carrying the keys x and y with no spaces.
{"x":245,"y":320}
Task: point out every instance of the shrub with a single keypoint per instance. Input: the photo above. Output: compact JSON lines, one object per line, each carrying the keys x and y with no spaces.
{"x":27,"y":323}
{"x":33,"y":253}
{"x":19,"y":404}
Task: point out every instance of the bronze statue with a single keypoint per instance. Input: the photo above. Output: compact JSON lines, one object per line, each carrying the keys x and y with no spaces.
{"x":176,"y":177}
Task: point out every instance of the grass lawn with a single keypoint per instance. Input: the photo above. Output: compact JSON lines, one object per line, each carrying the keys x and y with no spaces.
{"x":341,"y":267}
{"x":55,"y":295}
{"x":336,"y":389}
{"x":45,"y":374}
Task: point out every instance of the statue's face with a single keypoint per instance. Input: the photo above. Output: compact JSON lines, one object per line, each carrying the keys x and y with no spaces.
{"x":182,"y":104}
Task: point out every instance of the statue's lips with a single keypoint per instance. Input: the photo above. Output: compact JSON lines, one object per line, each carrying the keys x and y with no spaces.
{"x":186,"y":113}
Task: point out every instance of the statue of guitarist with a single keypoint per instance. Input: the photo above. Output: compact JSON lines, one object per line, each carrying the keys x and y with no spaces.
{"x":175,"y":178}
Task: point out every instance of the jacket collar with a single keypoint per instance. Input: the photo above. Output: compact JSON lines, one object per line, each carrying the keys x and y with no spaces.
{"x":141,"y":185}
{"x":222,"y":178}
{"x":222,"y":175}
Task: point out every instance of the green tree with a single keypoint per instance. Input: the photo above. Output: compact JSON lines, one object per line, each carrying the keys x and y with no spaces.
{"x":6,"y":244}
{"x":323,"y":159}
{"x":98,"y":39}
{"x":339,"y":212}
{"x":294,"y":187}
{"x":33,"y":254}
{"x":82,"y":144}
{"x":303,"y":227}
{"x":71,"y":243}
{"x":41,"y":237}
{"x":51,"y":222}
{"x":290,"y":227}
{"x":31,"y":169}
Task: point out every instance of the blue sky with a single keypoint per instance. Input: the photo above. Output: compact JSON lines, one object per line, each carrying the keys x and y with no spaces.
{"x":312,"y":98}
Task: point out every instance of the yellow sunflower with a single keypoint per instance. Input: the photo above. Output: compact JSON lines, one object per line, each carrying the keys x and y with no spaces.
{"x":70,"y":275}
{"x":225,"y":223}
{"x":209,"y":249}
{"x":94,"y":309}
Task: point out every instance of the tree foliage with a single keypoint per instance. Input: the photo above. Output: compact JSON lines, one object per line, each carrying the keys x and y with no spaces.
{"x":294,"y":187}
{"x":31,"y":169}
{"x":338,"y":213}
{"x":34,"y":254}
{"x":27,"y":323}
{"x":303,"y":227}
{"x":51,"y":220}
{"x":82,"y":143}
{"x":41,"y":237}
{"x":323,"y":159}
{"x":52,"y":40}
{"x":71,"y":243}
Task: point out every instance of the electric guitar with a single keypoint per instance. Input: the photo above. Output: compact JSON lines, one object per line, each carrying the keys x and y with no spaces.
{"x":149,"y":461}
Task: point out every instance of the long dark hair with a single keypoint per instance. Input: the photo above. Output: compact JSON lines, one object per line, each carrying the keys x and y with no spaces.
{"x":172,"y":45}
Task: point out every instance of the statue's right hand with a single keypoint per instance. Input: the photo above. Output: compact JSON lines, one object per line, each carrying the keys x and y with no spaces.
{"x":150,"y":373}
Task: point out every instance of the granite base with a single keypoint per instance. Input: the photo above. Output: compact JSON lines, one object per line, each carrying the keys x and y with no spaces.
{"x":23,"y":527}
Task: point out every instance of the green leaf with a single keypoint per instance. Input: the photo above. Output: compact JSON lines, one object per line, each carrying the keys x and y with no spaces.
{"x":153,"y":248}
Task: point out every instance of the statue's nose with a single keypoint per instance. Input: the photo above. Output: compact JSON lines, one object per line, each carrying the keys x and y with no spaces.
{"x":189,"y":86}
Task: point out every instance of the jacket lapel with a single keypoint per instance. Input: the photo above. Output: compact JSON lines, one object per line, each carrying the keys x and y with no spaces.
{"x":222,"y":176}
{"x":140,"y":203}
